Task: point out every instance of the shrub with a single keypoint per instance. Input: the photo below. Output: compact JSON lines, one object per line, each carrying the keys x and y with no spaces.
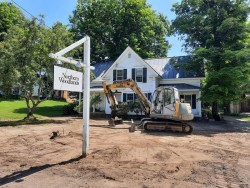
{"x":69,"y":109}
{"x":11,"y":97}
{"x":123,"y":109}
{"x":135,"y":107}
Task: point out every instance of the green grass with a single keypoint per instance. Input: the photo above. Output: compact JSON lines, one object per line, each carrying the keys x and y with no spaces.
{"x":244,"y":117}
{"x":16,"y":109}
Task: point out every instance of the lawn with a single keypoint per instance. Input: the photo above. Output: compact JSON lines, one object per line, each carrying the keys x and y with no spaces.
{"x":246,"y":118}
{"x":16,"y":109}
{"x":243,"y":117}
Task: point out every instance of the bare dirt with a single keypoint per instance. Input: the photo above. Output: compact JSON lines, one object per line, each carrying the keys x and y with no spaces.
{"x":214,"y":155}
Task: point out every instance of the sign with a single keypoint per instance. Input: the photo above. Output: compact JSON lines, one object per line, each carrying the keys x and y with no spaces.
{"x":67,"y":79}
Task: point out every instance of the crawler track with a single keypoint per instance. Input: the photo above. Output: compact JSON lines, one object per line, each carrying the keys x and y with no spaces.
{"x":166,"y":125}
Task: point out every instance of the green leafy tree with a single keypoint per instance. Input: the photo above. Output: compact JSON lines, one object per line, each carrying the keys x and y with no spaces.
{"x":115,"y":24}
{"x":247,"y":41}
{"x":26,"y":62}
{"x":10,"y":15}
{"x":215,"y":32}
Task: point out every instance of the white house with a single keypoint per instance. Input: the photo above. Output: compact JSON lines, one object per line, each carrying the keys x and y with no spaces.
{"x":148,"y":74}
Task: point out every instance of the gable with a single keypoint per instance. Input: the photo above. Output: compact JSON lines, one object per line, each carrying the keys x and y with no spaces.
{"x":130,"y":59}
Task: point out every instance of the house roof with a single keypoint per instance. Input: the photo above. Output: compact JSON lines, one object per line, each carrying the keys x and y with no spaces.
{"x":101,"y":68}
{"x":182,"y":86}
{"x":168,"y":67}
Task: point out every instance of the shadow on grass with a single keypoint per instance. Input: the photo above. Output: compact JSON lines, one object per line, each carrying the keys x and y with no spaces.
{"x":17,"y":176}
{"x":49,"y":111}
{"x":25,"y":122}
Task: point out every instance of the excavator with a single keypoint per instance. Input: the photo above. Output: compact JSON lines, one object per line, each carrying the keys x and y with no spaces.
{"x":164,"y":112}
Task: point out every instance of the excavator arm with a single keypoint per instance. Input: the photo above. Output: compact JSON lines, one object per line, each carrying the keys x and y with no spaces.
{"x":145,"y":103}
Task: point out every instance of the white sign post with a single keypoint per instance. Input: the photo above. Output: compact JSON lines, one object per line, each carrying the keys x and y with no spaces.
{"x":86,"y":95}
{"x":86,"y":98}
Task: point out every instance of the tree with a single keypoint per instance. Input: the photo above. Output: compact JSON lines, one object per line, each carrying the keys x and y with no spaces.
{"x":115,"y":24}
{"x":26,"y":62}
{"x":10,"y":15}
{"x":248,"y":35}
{"x":215,"y":31}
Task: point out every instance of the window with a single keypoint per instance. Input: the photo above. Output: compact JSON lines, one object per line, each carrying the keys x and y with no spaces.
{"x":138,"y":75}
{"x":120,"y":74}
{"x":191,"y":99}
{"x":130,"y":97}
{"x":168,"y":96}
{"x":148,"y":96}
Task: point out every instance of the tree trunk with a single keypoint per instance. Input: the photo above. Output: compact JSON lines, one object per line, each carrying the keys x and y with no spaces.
{"x":215,"y":111}
{"x":226,"y":108}
{"x":30,"y":115}
{"x":93,"y":106}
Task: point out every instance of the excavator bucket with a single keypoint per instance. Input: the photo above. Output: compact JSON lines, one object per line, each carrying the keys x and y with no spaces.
{"x":115,"y":121}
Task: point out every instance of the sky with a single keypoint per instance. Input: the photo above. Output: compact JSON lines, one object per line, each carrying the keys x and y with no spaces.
{"x":60,"y":10}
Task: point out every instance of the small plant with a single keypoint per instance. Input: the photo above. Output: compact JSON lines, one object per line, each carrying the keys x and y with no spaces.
{"x":135,"y":107}
{"x":123,"y":109}
{"x":94,"y":100}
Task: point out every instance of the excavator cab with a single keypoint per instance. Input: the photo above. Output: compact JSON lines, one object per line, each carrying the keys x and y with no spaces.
{"x":163,"y":101}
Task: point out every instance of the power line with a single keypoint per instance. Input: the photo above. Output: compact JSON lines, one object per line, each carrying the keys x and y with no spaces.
{"x":27,"y":12}
{"x":23,"y":9}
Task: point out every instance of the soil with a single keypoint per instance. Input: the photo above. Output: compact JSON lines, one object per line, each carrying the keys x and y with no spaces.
{"x":216,"y":154}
